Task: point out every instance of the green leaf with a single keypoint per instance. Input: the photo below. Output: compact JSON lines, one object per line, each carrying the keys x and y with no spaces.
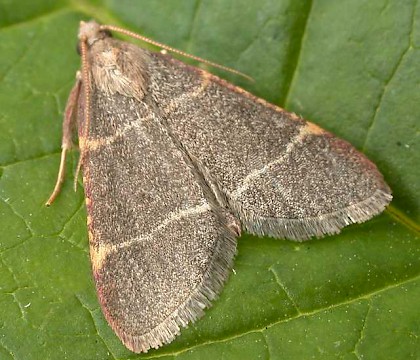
{"x":351,"y":66}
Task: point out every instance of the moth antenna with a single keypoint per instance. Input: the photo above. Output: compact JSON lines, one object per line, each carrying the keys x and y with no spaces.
{"x":86,"y":89}
{"x":176,"y":51}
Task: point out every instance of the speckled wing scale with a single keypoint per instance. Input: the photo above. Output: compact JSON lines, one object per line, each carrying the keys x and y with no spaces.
{"x":175,"y":162}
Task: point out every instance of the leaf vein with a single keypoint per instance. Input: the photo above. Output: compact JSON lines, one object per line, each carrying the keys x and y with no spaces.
{"x":296,"y":62}
{"x":37,"y":18}
{"x":38,"y":157}
{"x":303,"y":314}
{"x":267,"y":345}
{"x":390,"y":78}
{"x":193,"y":25}
{"x":7,"y":350}
{"x":362,"y":331}
{"x":28,"y":226}
{"x":285,"y":289}
{"x":21,"y":57}
{"x":66,"y":224}
{"x":94,"y":325}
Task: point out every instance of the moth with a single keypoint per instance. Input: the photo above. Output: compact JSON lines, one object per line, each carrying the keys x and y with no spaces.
{"x":176,"y":162}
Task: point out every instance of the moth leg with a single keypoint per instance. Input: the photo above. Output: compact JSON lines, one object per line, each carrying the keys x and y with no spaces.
{"x":66,"y":142}
{"x":78,"y":168}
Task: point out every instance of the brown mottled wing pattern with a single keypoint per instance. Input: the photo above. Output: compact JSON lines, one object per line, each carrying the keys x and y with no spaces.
{"x":171,"y":157}
{"x":160,"y":245}
{"x":280,"y":175}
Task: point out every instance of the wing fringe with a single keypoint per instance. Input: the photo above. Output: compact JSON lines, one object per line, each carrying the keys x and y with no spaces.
{"x":193,"y":308}
{"x":327,"y":224}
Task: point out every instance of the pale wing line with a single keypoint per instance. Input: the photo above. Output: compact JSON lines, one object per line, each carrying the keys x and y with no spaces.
{"x":99,"y":254}
{"x":305,"y":130}
{"x":95,"y":144}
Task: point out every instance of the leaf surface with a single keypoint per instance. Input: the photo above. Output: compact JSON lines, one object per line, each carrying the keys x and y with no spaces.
{"x":350,"y":66}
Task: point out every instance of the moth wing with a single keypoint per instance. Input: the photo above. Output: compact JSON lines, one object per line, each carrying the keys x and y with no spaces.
{"x":279,"y":174}
{"x":160,"y":248}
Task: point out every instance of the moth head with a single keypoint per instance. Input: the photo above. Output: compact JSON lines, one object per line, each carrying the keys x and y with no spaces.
{"x":90,"y":32}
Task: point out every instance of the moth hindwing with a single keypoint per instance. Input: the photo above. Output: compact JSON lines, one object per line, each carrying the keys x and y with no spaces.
{"x":175,"y":162}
